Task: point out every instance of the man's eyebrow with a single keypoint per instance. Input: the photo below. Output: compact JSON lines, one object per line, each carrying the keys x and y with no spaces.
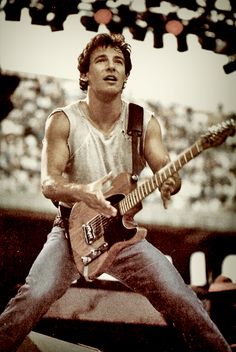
{"x":101,"y":56}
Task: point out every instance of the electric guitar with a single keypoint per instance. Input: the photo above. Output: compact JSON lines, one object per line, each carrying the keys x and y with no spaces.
{"x":96,"y":240}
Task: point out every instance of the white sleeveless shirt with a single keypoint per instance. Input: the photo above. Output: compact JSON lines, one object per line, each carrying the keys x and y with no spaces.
{"x":93,"y":154}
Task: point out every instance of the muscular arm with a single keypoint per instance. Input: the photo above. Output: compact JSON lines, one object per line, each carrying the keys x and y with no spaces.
{"x":55,"y":155}
{"x":157,"y":157}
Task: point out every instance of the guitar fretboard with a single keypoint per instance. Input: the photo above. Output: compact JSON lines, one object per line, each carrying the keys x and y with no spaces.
{"x":154,"y":182}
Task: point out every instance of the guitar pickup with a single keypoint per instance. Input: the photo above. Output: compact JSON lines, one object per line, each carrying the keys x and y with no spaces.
{"x":94,"y":253}
{"x":88,"y":233}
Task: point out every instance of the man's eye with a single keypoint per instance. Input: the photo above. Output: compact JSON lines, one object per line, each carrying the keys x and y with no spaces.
{"x":100,"y":60}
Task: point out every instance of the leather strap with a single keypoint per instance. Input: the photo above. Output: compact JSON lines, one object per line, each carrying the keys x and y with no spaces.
{"x":135,"y":129}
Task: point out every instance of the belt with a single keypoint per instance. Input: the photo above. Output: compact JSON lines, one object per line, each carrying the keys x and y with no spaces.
{"x":62,"y":218}
{"x":64,"y":212}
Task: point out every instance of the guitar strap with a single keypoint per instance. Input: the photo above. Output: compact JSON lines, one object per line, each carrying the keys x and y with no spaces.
{"x":135,"y":130}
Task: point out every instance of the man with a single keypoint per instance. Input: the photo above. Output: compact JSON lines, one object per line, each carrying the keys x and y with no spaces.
{"x":85,"y":147}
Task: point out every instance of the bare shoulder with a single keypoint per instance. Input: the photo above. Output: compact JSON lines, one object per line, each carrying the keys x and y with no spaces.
{"x":57,"y":124}
{"x":153,"y":127}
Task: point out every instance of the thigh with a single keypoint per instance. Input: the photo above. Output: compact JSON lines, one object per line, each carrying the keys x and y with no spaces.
{"x":54,"y":268}
{"x":146,"y":270}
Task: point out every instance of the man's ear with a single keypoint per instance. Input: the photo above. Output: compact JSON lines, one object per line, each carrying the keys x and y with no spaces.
{"x":84,"y":77}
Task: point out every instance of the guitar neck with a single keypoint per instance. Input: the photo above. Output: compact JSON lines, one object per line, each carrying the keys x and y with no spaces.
{"x":154,"y":182}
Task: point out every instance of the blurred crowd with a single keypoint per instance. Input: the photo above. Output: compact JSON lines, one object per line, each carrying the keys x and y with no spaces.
{"x":208,"y":180}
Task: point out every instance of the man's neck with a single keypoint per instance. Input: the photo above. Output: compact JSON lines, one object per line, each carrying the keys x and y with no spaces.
{"x":104,"y":114}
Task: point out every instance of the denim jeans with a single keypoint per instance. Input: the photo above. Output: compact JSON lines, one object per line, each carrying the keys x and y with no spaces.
{"x":142,"y":267}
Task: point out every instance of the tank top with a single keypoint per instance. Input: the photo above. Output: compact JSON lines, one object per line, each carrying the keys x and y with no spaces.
{"x":93,"y":154}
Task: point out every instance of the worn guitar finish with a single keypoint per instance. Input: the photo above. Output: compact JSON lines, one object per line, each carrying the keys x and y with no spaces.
{"x":96,"y":240}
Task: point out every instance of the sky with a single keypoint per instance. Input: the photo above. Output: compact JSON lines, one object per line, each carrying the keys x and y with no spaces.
{"x":193,"y":78}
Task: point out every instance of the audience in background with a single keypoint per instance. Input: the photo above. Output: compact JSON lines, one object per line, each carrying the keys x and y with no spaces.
{"x":208,"y":181}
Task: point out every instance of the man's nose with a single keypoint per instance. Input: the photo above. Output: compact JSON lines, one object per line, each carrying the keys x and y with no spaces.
{"x":111,"y":65}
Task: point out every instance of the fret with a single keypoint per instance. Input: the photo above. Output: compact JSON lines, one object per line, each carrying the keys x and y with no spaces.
{"x":139,"y":190}
{"x":191,"y":153}
{"x":188,"y":155}
{"x":145,"y":185}
{"x":136,"y":196}
{"x":170,"y":172}
{"x":198,"y":149}
{"x":163,"y":172}
{"x":123,"y":206}
{"x":185,"y":158}
{"x":129,"y":202}
{"x":179,"y":162}
{"x":132,"y":198}
{"x":152,"y":182}
{"x":150,"y":188}
{"x":160,"y":177}
{"x":142,"y":192}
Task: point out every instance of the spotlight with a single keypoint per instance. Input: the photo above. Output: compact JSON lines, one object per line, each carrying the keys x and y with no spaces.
{"x":156,"y":22}
{"x":152,"y":3}
{"x":230,"y":66}
{"x":103,"y":16}
{"x":182,"y":42}
{"x":38,"y":12}
{"x":89,"y":23}
{"x":138,"y":32}
{"x":60,"y":11}
{"x":13,"y":9}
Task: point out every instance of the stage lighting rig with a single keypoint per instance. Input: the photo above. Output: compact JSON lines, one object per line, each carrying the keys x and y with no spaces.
{"x":13,"y":9}
{"x":231,"y":65}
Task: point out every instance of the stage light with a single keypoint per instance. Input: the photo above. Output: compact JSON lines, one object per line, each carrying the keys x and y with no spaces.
{"x":89,"y":23}
{"x":115,"y":26}
{"x":103,"y":16}
{"x":152,"y":3}
{"x":190,"y":5}
{"x":38,"y":11}
{"x":155,"y":22}
{"x":182,"y":42}
{"x":138,"y":32}
{"x":124,"y":17}
{"x":13,"y":9}
{"x":231,"y":65}
{"x":59,"y":12}
{"x":175,"y":27}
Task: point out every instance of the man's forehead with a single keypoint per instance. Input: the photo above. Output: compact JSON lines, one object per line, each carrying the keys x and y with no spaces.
{"x":102,"y":50}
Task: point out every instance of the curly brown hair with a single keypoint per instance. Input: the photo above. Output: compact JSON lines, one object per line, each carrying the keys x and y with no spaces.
{"x":103,"y":40}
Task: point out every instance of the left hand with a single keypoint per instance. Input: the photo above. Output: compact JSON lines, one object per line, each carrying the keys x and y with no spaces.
{"x":167,"y":188}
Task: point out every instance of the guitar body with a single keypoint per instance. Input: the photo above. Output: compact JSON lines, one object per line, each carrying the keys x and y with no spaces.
{"x":96,"y":240}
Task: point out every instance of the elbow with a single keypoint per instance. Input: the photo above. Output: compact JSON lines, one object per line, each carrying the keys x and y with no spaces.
{"x":48,"y":189}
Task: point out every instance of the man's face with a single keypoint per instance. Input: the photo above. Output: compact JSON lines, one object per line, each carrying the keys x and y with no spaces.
{"x":106,"y":71}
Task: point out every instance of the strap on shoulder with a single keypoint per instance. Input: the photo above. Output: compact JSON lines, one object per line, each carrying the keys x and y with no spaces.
{"x":135,"y":129}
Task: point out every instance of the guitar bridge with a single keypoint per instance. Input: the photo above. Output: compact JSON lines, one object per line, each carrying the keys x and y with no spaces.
{"x":94,"y":253}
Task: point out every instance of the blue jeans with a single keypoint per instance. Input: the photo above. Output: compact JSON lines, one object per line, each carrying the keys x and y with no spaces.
{"x":142,"y":267}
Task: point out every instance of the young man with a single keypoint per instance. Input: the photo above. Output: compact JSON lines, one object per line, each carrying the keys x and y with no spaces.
{"x":85,"y":147}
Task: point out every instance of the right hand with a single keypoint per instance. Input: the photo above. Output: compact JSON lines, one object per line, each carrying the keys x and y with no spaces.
{"x":92,"y":195}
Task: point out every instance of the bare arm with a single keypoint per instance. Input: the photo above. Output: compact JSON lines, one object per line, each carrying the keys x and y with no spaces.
{"x":157,"y":157}
{"x":55,"y":155}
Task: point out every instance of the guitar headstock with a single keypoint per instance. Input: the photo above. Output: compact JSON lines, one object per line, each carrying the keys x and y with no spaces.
{"x":217,"y":134}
